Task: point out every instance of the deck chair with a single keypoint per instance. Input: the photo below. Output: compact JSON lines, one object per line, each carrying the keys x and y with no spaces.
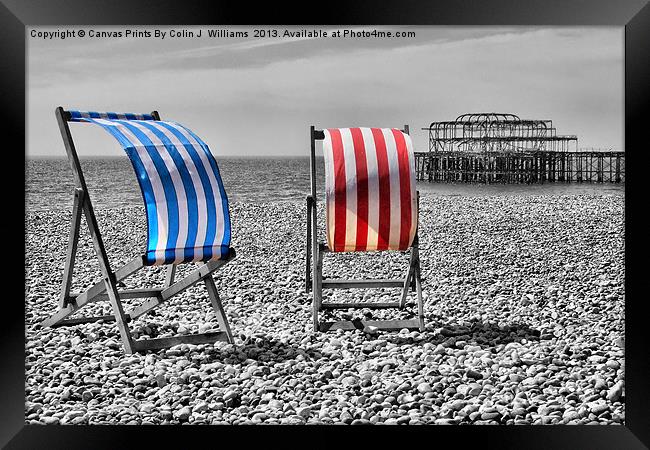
{"x":371,"y":205}
{"x":187,"y":221}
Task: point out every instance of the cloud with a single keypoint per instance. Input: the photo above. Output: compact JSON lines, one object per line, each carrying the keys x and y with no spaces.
{"x":249,"y":97}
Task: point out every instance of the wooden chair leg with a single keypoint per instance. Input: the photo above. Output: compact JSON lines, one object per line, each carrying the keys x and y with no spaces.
{"x":308,"y":247}
{"x":318,"y":287}
{"x":170,"y":274}
{"x":118,"y":312}
{"x":408,"y":281}
{"x":218,"y":307}
{"x":109,"y":278}
{"x":418,"y":286}
{"x":77,"y":209}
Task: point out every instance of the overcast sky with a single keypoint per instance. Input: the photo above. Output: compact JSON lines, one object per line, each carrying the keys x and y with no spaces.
{"x":258,"y":96}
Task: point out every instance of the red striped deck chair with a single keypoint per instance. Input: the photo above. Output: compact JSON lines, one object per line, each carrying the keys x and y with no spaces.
{"x":188,"y":221}
{"x":371,"y":205}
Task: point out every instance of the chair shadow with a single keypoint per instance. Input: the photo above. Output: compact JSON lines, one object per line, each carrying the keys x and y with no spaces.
{"x":484,"y":334}
{"x":266,"y":349}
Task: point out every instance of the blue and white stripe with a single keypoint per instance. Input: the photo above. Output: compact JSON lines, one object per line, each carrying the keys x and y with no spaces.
{"x":79,"y":116}
{"x":187,"y":207}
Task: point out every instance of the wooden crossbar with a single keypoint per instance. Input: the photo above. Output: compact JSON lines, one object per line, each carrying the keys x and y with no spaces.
{"x":129,"y":293}
{"x":361,"y":284}
{"x":80,"y":320}
{"x":361,"y":324}
{"x":369,"y":305}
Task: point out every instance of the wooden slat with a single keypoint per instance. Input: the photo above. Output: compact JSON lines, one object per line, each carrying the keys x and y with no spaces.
{"x":80,"y":320}
{"x":381,"y":324}
{"x":369,"y":305}
{"x":362,"y":284}
{"x":166,"y":342}
{"x":127,"y":293}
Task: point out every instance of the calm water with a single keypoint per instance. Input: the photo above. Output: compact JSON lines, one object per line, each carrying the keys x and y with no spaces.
{"x":49,"y":183}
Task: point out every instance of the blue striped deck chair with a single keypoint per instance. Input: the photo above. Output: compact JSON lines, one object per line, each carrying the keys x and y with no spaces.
{"x":188,"y":221}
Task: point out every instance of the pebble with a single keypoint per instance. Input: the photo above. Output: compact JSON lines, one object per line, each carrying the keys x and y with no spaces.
{"x":614,"y":394}
{"x":48,"y":420}
{"x":304,"y":412}
{"x":482,"y":346}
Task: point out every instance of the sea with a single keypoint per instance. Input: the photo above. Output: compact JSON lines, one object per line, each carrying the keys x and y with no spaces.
{"x":49,"y":184}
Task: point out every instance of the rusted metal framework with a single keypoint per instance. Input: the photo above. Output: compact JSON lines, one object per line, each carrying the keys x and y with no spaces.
{"x":503,"y":148}
{"x":497,"y":132}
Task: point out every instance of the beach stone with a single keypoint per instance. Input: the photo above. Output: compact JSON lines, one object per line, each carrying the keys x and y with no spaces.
{"x":445,"y":421}
{"x":304,"y":412}
{"x":457,"y":405}
{"x":91,"y":380}
{"x":371,"y":329}
{"x":183,"y":414}
{"x":345,"y":417}
{"x":474,"y":389}
{"x":599,"y":408}
{"x":147,"y":407}
{"x":279,"y":366}
{"x":360,"y":422}
{"x":350,"y":381}
{"x":620,"y":342}
{"x":600,"y":384}
{"x":49,"y":420}
{"x":439,"y":350}
{"x":490,"y":415}
{"x":615,"y":393}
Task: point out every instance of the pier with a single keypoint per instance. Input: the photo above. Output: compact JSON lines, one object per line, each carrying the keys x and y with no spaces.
{"x":533,"y":167}
{"x":503,"y":148}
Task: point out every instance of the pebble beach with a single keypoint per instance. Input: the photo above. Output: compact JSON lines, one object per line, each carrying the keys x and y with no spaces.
{"x":524,"y":311}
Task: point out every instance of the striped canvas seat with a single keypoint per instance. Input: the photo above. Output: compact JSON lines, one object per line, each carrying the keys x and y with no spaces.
{"x":186,"y":205}
{"x":371,"y":201}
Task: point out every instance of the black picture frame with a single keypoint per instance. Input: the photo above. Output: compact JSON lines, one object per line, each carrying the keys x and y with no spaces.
{"x":634,"y":15}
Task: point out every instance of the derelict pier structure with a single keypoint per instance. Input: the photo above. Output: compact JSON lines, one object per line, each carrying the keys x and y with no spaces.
{"x":503,"y":148}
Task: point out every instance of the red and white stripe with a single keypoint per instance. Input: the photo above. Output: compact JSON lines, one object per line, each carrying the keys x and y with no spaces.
{"x":371,"y":201}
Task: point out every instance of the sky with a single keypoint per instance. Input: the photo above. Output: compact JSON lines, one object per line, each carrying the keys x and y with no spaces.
{"x":258,"y":96}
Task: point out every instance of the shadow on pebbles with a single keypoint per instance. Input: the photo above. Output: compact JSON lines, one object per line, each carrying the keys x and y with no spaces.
{"x":524,"y":306}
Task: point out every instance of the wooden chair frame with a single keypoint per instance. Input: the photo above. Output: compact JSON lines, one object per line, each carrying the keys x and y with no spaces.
{"x":315,"y":282}
{"x":107,"y":289}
